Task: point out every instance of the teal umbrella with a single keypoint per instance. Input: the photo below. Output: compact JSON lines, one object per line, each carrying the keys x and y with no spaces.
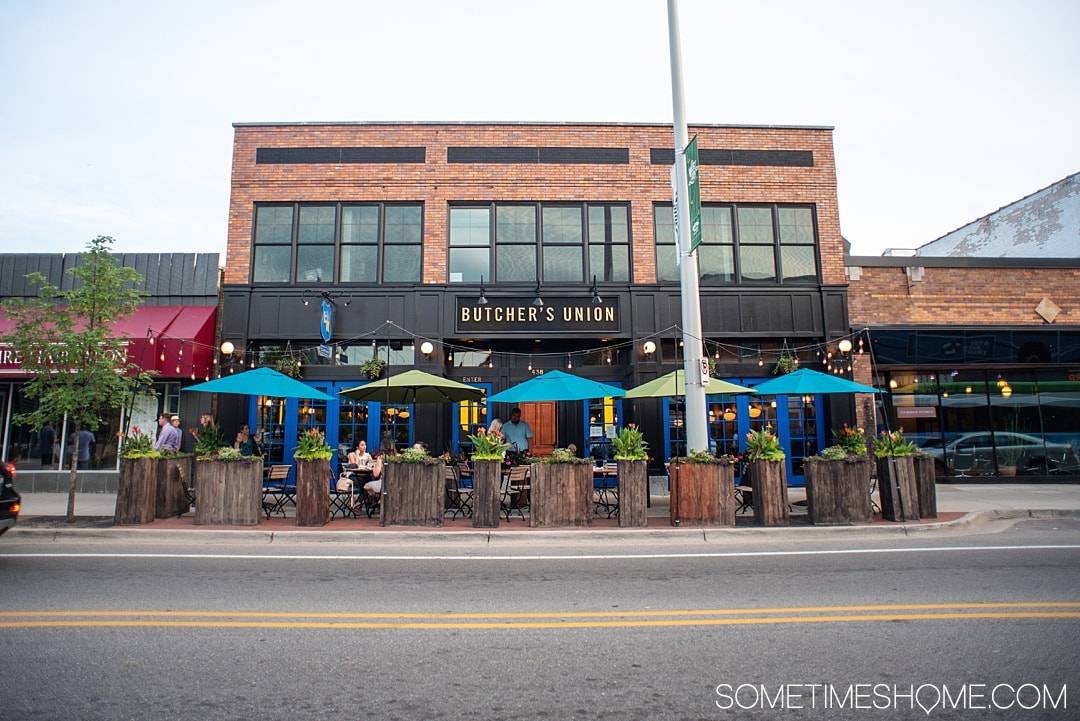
{"x":806,"y":382}
{"x":556,"y":386}
{"x":261,"y":382}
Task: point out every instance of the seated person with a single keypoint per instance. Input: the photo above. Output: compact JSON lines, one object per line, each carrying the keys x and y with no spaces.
{"x":386,"y":448}
{"x":360,"y":457}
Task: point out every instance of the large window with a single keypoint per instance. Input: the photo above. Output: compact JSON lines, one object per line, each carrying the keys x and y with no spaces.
{"x":550,"y":243}
{"x":373,"y":243}
{"x":752,"y":244}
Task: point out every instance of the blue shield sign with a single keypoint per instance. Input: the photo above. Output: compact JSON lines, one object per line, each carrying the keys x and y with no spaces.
{"x":326,"y":320}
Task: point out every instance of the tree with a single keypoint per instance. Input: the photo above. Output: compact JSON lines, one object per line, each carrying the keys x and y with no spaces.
{"x":64,"y":340}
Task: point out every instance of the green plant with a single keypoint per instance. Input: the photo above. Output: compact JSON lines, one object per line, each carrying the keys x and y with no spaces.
{"x":892,"y":444}
{"x":211,"y":440}
{"x":560,"y":455}
{"x":289,"y":366}
{"x":836,"y":453}
{"x":852,"y":440}
{"x":702,"y":458}
{"x":763,"y":445}
{"x":312,"y":446}
{"x":785,"y":364}
{"x":451,"y":459}
{"x":410,"y":455}
{"x":372,"y":367}
{"x":630,"y":445}
{"x":489,"y":446}
{"x":137,"y":444}
{"x":1010,"y":455}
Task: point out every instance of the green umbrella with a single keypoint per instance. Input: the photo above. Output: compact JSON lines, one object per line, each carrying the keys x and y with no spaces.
{"x":414,"y":386}
{"x":674,"y":384}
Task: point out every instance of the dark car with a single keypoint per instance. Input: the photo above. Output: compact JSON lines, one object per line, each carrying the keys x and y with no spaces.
{"x":974,"y":454}
{"x":10,"y":500}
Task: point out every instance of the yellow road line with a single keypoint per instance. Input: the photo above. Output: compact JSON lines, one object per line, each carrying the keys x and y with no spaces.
{"x":582,"y":619}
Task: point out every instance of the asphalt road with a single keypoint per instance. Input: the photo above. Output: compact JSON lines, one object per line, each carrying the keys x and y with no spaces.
{"x":975,"y":625}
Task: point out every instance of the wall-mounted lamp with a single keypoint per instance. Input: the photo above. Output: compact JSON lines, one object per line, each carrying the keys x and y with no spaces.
{"x":538,"y":301}
{"x":482,"y":300}
{"x":844,"y":346}
{"x":648,"y":348}
{"x":427,"y":348}
{"x":596,"y":299}
{"x":227,"y":348}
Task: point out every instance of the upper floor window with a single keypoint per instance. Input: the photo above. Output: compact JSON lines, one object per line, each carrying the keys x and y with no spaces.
{"x":744,"y":244}
{"x":370,"y":243}
{"x":549,"y":242}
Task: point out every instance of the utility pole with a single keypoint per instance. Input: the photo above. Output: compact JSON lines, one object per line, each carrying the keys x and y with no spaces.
{"x":697,"y":435}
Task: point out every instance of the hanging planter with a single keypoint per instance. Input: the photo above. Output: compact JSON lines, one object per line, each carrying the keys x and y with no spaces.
{"x":288,"y":366}
{"x":786,"y":364}
{"x":372,"y":367}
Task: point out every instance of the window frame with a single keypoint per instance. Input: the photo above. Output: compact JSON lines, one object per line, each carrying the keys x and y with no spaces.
{"x":338,"y":244}
{"x":663,"y":237}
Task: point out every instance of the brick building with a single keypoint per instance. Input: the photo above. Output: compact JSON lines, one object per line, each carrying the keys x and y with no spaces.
{"x":565,"y":230}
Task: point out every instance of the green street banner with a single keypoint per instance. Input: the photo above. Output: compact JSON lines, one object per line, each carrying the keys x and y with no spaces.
{"x":694,"y":190}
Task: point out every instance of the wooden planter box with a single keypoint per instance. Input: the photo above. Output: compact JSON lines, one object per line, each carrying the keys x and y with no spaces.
{"x":486,"y":500}
{"x":702,"y":494}
{"x":926,"y":487}
{"x":633,"y":493}
{"x":228,"y":493}
{"x":173,"y":477}
{"x":136,"y":494}
{"x":413,"y":494}
{"x":768,"y":479}
{"x":838,"y":492}
{"x":561,"y":494}
{"x":313,"y":480}
{"x":897,"y":488}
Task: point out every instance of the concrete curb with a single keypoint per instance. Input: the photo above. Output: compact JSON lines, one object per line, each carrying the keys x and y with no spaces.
{"x":485,"y":538}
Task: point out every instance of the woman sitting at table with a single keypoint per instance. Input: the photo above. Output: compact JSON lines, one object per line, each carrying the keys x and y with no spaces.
{"x":360,"y":457}
{"x":386,"y":448}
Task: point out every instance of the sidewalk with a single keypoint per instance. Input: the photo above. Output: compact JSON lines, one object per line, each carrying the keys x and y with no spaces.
{"x":958,"y":505}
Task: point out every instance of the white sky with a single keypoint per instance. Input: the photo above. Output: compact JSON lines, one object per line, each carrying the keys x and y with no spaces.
{"x":116,"y":116}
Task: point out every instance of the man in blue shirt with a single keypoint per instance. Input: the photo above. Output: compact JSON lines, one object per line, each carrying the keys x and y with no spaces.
{"x":517,"y":432}
{"x":168,"y":437}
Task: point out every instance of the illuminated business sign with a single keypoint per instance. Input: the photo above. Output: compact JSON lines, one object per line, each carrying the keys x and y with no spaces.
{"x":519,"y":314}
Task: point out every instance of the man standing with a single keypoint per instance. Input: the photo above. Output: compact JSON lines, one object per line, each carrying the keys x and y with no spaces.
{"x":517,"y":432}
{"x":168,"y":436}
{"x":46,"y":440}
{"x":85,"y":441}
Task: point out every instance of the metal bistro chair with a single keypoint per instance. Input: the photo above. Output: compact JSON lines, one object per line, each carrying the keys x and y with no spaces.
{"x":515,"y":488}
{"x":343,"y":498}
{"x":458,"y":493}
{"x":606,"y":489}
{"x":277,"y":491}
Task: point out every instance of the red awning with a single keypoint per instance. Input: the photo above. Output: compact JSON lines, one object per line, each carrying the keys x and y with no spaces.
{"x":177,"y":341}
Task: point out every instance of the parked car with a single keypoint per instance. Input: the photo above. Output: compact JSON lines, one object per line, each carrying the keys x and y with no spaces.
{"x":10,"y":500}
{"x":985,"y":452}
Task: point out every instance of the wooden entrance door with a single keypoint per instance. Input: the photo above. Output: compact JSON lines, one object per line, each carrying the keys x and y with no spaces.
{"x":541,"y":418}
